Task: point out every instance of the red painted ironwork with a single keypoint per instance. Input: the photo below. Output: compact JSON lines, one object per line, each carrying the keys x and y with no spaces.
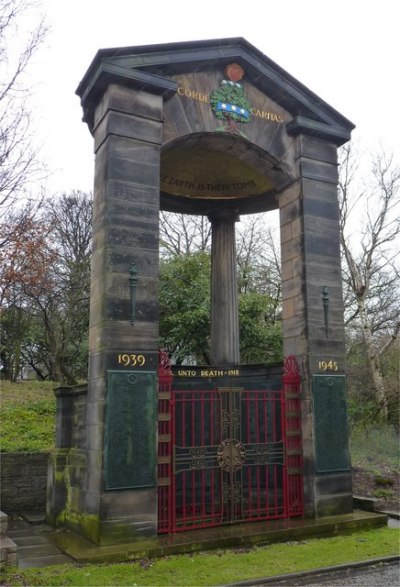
{"x":228,"y":455}
{"x":293,"y":439}
{"x":164,"y":462}
{"x":164,"y":365}
{"x":197,"y":484}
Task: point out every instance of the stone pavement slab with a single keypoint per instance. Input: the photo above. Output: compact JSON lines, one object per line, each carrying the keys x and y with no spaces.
{"x":43,"y":561}
{"x":32,"y":540}
{"x":34,"y":547}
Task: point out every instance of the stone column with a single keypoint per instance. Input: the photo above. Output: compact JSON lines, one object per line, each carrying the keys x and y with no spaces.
{"x":224,"y":297}
{"x":118,"y":502}
{"x":313,"y":325}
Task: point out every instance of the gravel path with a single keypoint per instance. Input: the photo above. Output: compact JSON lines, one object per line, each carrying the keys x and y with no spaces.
{"x":379,"y":575}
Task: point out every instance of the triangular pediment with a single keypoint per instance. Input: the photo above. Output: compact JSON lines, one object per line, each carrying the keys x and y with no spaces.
{"x":153,"y":67}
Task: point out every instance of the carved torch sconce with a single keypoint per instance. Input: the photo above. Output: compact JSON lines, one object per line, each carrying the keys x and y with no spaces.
{"x":325,"y":303}
{"x":132,"y":290}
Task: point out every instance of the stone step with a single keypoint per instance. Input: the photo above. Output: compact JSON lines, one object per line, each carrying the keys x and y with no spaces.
{"x":33,"y":545}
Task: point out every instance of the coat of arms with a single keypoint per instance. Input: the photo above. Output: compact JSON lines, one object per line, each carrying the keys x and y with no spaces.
{"x":229,"y":102}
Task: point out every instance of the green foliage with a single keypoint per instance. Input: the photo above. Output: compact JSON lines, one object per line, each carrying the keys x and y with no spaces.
{"x":375,"y":447}
{"x":362,"y":414}
{"x":364,"y":409}
{"x":185,"y":314}
{"x":15,"y":327}
{"x":185,"y":306}
{"x":27,"y":416}
{"x":230,"y":94}
{"x":221,"y":567}
{"x":383,"y":493}
{"x":383,"y":481}
{"x":261,"y":338}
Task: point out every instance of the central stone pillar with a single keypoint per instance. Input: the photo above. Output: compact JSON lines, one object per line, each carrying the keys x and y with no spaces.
{"x":224,"y":297}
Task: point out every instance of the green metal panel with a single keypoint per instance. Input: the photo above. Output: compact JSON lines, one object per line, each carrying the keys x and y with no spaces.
{"x":130,"y":450}
{"x":330,"y":423}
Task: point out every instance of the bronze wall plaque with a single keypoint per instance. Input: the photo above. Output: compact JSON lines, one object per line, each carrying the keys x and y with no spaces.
{"x":130,"y":430}
{"x":330,"y":423}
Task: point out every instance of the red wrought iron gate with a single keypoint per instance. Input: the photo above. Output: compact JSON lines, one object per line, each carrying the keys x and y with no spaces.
{"x":229,"y":454}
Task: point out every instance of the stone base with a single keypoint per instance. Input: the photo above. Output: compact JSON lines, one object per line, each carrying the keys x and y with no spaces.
{"x":110,"y":532}
{"x":333,"y":505}
{"x":365,"y":503}
{"x":239,"y":535}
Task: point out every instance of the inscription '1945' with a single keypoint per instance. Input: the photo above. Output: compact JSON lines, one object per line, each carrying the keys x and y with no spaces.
{"x":327,"y":366}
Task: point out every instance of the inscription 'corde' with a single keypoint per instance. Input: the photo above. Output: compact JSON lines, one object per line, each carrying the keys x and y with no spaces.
{"x":205,"y":98}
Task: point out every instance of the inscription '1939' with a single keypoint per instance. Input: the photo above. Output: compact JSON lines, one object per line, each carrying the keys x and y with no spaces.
{"x":131,"y":360}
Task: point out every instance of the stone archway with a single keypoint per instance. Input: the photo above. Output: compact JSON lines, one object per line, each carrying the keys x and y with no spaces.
{"x":161,"y":139}
{"x":221,"y":176}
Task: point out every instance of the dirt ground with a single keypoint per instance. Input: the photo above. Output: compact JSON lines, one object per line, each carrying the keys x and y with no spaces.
{"x":383,"y":486}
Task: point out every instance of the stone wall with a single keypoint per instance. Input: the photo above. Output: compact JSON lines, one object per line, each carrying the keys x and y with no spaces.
{"x":23,"y":481}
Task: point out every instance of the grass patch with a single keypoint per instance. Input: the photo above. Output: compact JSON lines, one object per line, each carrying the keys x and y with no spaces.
{"x":27,"y":415}
{"x":383,"y":493}
{"x":375,"y":448}
{"x":220,"y":567}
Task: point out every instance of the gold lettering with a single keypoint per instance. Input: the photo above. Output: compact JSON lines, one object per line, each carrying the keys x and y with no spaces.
{"x":327,"y":365}
{"x":195,"y":95}
{"x":131,"y":360}
{"x":184,"y":373}
{"x":266,"y":115}
{"x":212,"y":373}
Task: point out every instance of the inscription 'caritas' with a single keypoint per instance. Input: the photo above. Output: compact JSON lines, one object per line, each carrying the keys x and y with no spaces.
{"x":205,"y":98}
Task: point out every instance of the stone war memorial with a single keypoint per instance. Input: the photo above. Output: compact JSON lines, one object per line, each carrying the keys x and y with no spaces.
{"x":211,"y":128}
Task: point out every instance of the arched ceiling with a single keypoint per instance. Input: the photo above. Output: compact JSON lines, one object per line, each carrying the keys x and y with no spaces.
{"x":206,"y":171}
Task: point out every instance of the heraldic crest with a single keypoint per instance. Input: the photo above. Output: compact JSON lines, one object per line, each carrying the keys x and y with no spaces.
{"x":229,"y":102}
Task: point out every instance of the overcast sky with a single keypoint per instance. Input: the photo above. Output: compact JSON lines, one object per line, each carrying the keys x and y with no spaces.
{"x":345,"y":51}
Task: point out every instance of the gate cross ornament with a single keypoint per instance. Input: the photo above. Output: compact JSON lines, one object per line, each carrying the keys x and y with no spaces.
{"x":231,"y":455}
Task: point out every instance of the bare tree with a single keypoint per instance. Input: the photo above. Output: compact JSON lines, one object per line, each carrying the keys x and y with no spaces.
{"x":63,"y":309}
{"x":371,"y":266}
{"x":258,"y":256}
{"x":25,"y":259}
{"x":181,"y":234}
{"x":19,"y":163}
{"x":44,"y":289}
